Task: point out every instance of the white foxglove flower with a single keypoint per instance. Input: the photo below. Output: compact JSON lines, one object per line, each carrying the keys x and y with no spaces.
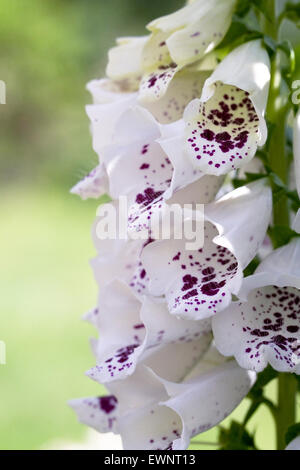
{"x":93,"y":185}
{"x":120,"y":259}
{"x":264,"y":328}
{"x":294,"y":445}
{"x":296,"y":144}
{"x":225,"y":126}
{"x":153,"y":413}
{"x":199,"y":283}
{"x":125,"y":61}
{"x":139,"y":168}
{"x":183,"y":88}
{"x":180,"y":39}
{"x":105,"y":91}
{"x":125,"y":74}
{"x":104,"y":118}
{"x":110,"y":102}
{"x":142,"y":328}
{"x":185,"y":173}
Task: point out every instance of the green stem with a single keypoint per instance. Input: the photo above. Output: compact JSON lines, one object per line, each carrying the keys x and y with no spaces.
{"x":269,"y":20}
{"x":277,"y":115}
{"x":278,"y":163}
{"x":286,"y":412}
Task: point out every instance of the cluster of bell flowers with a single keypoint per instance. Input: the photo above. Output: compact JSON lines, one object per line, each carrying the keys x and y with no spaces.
{"x":182,"y":333}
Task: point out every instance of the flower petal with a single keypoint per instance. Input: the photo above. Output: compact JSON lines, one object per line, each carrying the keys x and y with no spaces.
{"x":183,"y":88}
{"x":139,"y":334}
{"x":155,"y":83}
{"x":219,"y":390}
{"x":194,"y":30}
{"x":94,"y":185}
{"x":263,"y":330}
{"x":170,"y":423}
{"x":163,"y":328}
{"x":196,"y":283}
{"x":104,"y":117}
{"x":186,"y":173}
{"x":125,"y":60}
{"x":100,"y":413}
{"x":199,"y":283}
{"x":105,"y":91}
{"x":294,"y":445}
{"x":224,"y":127}
{"x":122,"y":333}
{"x":138,"y":166}
{"x":241,"y":227}
{"x":203,"y":33}
{"x":280,"y":268}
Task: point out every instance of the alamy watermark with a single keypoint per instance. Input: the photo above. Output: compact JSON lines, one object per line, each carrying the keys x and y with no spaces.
{"x":166,"y":222}
{"x":2,"y":92}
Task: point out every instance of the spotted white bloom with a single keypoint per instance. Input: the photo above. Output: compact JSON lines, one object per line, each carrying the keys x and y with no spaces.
{"x":264,"y":327}
{"x":143,"y":327}
{"x":154,"y":413}
{"x":225,"y":126}
{"x":180,"y":39}
{"x":125,"y":71}
{"x":138,"y":166}
{"x":199,"y":283}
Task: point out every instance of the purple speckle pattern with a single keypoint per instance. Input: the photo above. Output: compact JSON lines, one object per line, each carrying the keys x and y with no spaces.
{"x":223,"y":134}
{"x":203,"y":279}
{"x":264,"y":330}
{"x":184,"y":87}
{"x":154,"y":177}
{"x":156,"y":83}
{"x":100,"y":413}
{"x":121,"y":360}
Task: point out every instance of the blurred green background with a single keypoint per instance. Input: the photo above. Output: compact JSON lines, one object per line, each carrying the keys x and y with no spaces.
{"x":49,"y":50}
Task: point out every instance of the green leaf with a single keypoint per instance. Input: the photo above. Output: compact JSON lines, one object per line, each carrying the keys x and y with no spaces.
{"x":236,"y":438}
{"x":281,"y":235}
{"x":292,"y":433}
{"x":251,"y":268}
{"x":263,"y":378}
{"x":238,"y":33}
{"x":292,"y":12}
{"x":250,"y":177}
{"x":258,"y":4}
{"x":243,"y":7}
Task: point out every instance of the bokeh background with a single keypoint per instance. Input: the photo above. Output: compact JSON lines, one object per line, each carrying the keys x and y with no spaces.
{"x":49,"y":49}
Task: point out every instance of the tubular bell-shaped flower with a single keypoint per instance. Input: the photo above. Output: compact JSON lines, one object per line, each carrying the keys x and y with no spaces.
{"x":144,"y":326}
{"x":225,"y":126}
{"x":125,"y":61}
{"x":199,"y":283}
{"x":153,"y":413}
{"x":138,"y":167}
{"x":264,"y":328}
{"x":180,"y":39}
